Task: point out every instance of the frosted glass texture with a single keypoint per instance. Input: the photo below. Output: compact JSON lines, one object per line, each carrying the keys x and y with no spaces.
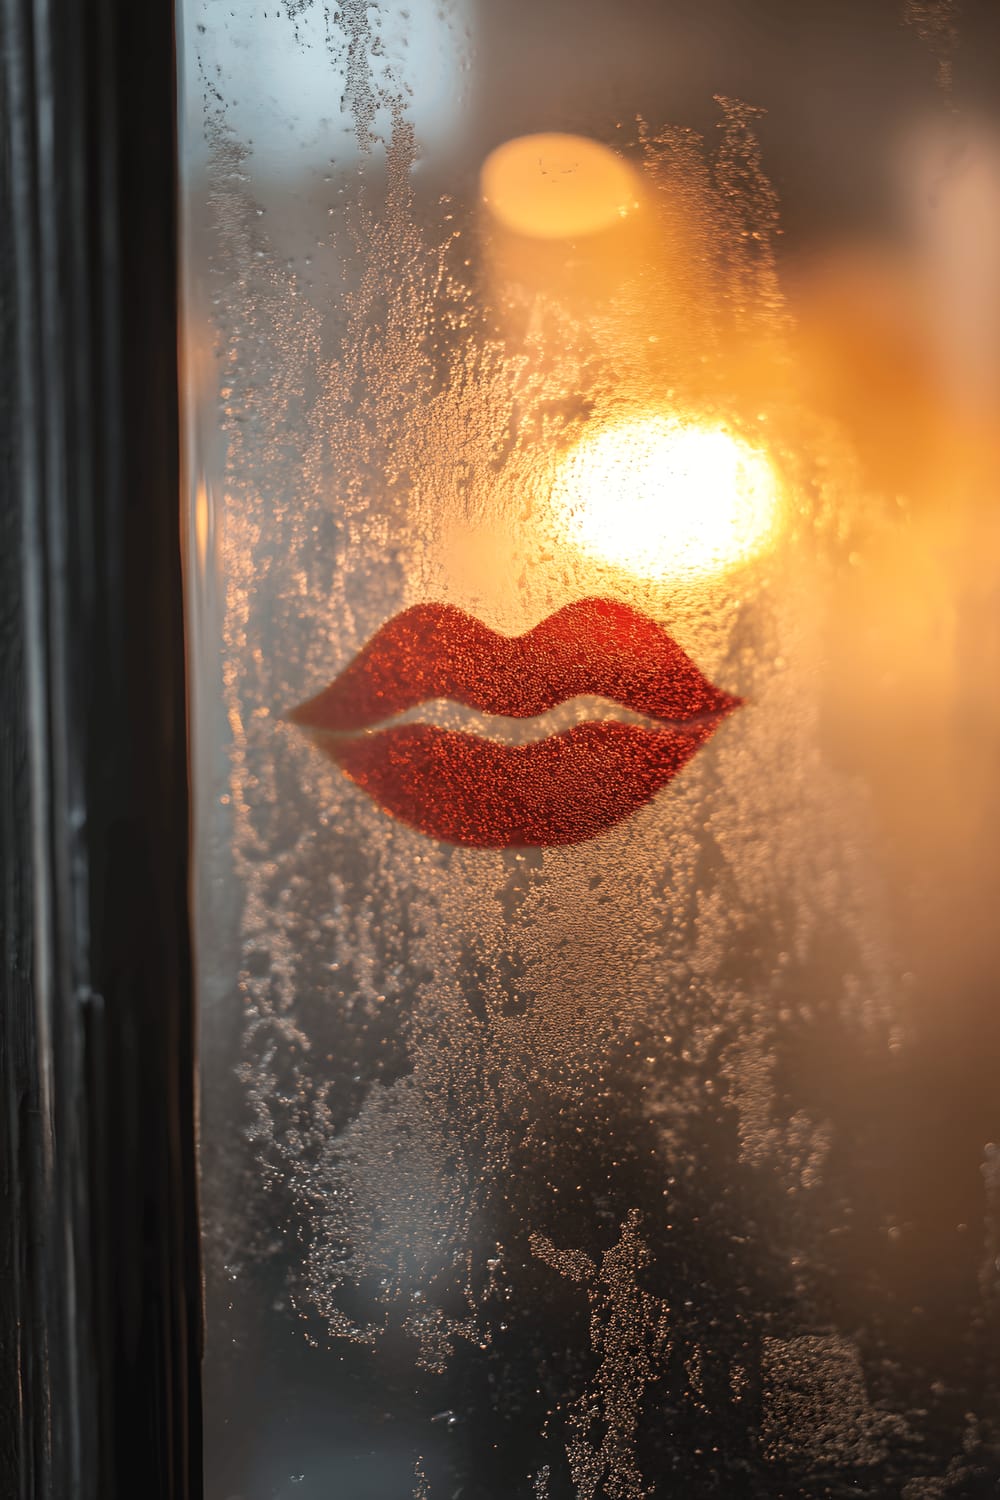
{"x":593,"y":603}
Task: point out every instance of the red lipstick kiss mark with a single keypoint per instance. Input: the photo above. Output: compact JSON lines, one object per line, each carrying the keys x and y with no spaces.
{"x":464,"y":789}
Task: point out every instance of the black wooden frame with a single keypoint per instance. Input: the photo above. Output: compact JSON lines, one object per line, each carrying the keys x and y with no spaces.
{"x":99,"y":1277}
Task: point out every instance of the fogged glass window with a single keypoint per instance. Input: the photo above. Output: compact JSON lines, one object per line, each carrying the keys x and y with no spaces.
{"x":593,"y":601}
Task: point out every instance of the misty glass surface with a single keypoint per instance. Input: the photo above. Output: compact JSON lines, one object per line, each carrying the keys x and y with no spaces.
{"x":599,"y":1015}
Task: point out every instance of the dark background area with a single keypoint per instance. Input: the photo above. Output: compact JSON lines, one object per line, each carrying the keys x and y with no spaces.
{"x":839,"y":84}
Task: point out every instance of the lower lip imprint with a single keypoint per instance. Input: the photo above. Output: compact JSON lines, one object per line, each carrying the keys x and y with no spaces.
{"x":464,"y":789}
{"x":467,"y":790}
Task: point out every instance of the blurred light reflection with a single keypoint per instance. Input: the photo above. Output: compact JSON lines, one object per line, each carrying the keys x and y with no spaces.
{"x":663,"y":498}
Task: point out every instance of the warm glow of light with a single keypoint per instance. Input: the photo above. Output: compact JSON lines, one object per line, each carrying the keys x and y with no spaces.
{"x":665,"y":498}
{"x":558,"y":186}
{"x":201,"y":523}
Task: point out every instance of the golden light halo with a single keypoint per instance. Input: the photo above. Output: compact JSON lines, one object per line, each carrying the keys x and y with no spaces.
{"x":554,"y":186}
{"x":666,"y":498}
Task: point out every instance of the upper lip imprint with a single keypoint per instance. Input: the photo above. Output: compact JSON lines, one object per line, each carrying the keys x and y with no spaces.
{"x":563,"y":789}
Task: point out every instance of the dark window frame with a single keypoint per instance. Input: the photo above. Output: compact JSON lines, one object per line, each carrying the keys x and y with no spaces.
{"x":100,"y":1319}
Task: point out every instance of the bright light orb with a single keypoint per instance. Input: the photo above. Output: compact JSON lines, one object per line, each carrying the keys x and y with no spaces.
{"x":667,"y":499}
{"x":554,"y":187}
